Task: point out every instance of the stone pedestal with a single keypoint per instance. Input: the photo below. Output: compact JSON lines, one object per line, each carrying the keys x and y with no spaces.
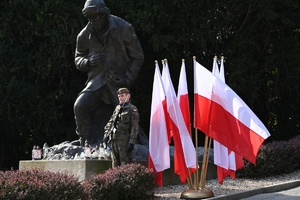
{"x":81,"y":168}
{"x":85,"y":168}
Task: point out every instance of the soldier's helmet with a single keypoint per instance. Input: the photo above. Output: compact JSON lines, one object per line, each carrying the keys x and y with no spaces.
{"x":92,"y":7}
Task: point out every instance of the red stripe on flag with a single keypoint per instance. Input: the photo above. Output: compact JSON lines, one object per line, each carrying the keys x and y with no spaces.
{"x":220,"y":125}
{"x":185,"y":109}
{"x":158,"y":175}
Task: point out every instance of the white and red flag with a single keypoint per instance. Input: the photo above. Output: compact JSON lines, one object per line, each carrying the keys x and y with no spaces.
{"x":183,"y":97}
{"x":159,"y":150}
{"x":184,"y":150}
{"x":227,"y":161}
{"x":222,"y":115}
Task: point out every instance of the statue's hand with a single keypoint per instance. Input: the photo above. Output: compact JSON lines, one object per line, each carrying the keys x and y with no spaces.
{"x":97,"y":58}
{"x":117,"y":81}
{"x":121,"y":83}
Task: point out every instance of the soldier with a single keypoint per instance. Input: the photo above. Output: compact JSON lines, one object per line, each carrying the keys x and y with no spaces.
{"x":122,"y":129}
{"x":109,"y":51}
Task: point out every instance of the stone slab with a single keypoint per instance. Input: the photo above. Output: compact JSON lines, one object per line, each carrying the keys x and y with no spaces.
{"x":83,"y":169}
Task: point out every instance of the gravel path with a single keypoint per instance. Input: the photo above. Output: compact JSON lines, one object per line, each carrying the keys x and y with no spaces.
{"x":229,"y":186}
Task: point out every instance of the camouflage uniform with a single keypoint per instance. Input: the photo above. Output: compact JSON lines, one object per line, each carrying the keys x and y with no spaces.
{"x":125,"y":134}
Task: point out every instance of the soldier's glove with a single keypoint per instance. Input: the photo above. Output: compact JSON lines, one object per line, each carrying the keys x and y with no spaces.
{"x":130,"y":147}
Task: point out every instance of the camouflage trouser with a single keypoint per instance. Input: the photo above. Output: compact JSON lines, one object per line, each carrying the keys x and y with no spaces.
{"x":119,"y":155}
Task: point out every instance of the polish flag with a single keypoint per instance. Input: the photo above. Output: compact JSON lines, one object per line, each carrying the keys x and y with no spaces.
{"x":235,"y":162}
{"x":184,"y":152}
{"x":159,"y":150}
{"x":183,"y":97}
{"x":222,"y":115}
{"x":227,"y":161}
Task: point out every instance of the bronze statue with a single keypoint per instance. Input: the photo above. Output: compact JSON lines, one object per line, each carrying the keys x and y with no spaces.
{"x":109,"y":51}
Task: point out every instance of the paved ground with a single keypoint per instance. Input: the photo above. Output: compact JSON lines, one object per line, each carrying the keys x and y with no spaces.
{"x":285,"y":191}
{"x":291,"y":194}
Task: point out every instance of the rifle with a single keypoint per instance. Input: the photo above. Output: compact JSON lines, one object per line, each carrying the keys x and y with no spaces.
{"x":113,"y":128}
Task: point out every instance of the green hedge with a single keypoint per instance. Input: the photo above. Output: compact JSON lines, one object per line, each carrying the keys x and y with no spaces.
{"x":274,"y":158}
{"x":39,"y":82}
{"x":130,"y":181}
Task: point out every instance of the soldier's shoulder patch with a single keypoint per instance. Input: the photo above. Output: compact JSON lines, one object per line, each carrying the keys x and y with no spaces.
{"x":134,"y":110}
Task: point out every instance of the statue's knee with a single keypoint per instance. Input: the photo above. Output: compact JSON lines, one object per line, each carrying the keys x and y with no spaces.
{"x":77,"y":107}
{"x":80,"y":106}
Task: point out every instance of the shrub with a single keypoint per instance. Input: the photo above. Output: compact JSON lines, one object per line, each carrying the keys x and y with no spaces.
{"x":130,"y":181}
{"x":38,"y":184}
{"x":275,"y":158}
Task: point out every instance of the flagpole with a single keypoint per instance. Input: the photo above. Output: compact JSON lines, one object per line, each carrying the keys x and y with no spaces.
{"x":207,"y":146}
{"x":202,"y":179}
{"x":207,"y":158}
{"x":198,"y":193}
{"x":207,"y":151}
{"x":197,"y":166}
{"x":196,"y":176}
{"x":189,"y":180}
{"x":189,"y":125}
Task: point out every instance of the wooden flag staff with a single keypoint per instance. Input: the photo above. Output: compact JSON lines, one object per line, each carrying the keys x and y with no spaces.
{"x":201,"y":192}
{"x":189,"y":179}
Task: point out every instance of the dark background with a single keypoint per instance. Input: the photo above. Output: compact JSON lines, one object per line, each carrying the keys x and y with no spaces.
{"x":39,"y":81}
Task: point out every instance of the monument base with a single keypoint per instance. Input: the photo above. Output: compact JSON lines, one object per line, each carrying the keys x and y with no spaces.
{"x":83,"y":169}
